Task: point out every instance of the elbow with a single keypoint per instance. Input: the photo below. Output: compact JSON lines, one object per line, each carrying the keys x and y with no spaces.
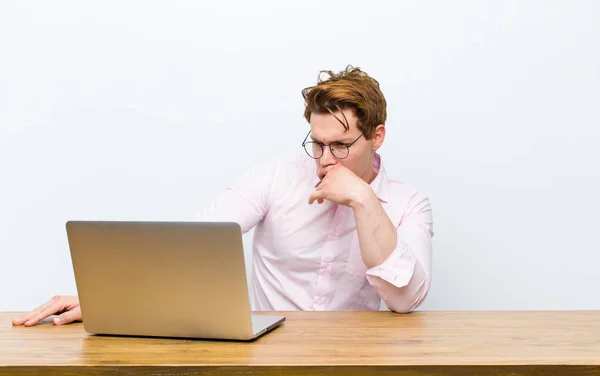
{"x":400,"y":308}
{"x":407,"y":301}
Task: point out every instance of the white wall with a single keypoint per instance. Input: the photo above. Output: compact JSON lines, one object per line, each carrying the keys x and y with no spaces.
{"x":146,"y":111}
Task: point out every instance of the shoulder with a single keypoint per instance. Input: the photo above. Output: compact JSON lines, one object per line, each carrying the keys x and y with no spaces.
{"x":405,"y":192}
{"x":405,"y":198}
{"x":288,"y":167}
{"x":280,"y":174}
{"x":410,"y":202}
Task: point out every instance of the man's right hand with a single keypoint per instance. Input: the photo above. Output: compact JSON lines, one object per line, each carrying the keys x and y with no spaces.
{"x":66,"y":307}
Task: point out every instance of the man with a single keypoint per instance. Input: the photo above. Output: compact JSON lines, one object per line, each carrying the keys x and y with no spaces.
{"x":332,"y":235}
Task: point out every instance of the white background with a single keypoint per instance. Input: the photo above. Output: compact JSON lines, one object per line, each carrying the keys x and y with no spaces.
{"x":139,"y":110}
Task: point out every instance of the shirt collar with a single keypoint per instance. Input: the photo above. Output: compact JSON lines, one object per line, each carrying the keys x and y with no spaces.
{"x":380,"y":184}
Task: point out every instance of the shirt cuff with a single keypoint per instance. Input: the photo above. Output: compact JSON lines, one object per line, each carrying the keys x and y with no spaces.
{"x":398,"y":268}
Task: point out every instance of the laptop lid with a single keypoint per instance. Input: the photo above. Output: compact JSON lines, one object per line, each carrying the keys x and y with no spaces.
{"x":173,"y":279}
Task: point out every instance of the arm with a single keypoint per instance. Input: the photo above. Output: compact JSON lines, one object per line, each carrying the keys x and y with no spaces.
{"x":377,"y":236}
{"x":399,"y":257}
{"x":245,"y":203}
{"x":404,"y":276}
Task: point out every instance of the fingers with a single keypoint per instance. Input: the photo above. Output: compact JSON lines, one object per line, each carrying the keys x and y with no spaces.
{"x":28,"y":316}
{"x":42,"y":314}
{"x":47,"y":309}
{"x":68,"y":317}
{"x":316,"y":196}
{"x":328,"y":169}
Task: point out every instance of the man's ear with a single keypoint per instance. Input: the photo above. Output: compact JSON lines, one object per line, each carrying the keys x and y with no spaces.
{"x":378,"y":137}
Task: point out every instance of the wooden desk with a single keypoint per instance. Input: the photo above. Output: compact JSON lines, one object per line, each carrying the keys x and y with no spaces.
{"x":318,"y":343}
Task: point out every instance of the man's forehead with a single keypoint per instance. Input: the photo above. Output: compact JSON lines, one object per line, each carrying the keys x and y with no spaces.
{"x":326,"y":126}
{"x":329,"y":133}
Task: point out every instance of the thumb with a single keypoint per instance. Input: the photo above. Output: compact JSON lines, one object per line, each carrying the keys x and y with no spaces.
{"x":68,"y":317}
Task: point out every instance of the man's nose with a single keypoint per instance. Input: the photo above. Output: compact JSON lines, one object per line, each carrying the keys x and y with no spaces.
{"x":327,"y":158}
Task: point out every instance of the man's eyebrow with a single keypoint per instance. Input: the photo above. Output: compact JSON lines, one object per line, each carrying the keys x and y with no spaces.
{"x":343,"y":141}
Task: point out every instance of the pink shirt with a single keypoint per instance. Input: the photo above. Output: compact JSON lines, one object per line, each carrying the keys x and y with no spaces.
{"x":307,"y":257}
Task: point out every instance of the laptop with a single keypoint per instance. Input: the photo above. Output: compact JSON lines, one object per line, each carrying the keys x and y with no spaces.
{"x":164,"y":279}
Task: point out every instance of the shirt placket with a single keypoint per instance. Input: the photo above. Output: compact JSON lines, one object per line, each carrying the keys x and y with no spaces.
{"x":324,"y":286}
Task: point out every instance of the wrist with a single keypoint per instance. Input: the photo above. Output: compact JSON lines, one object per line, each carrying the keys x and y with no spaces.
{"x":363,"y":195}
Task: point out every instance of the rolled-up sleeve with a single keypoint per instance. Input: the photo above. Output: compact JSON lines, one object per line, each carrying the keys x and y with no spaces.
{"x":403,"y":279}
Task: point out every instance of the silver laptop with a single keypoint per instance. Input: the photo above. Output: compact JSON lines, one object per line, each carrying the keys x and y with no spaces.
{"x":164,"y":279}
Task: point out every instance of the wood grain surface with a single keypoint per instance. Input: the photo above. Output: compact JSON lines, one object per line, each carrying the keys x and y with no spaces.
{"x":319,"y":343}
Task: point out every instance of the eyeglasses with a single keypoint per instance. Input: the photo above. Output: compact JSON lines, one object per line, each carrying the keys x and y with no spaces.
{"x":339,"y":150}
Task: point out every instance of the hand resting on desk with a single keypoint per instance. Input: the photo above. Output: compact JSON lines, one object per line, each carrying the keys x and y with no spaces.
{"x":66,"y":307}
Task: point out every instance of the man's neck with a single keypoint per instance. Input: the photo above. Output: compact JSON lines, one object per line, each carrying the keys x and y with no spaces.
{"x":371,"y":174}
